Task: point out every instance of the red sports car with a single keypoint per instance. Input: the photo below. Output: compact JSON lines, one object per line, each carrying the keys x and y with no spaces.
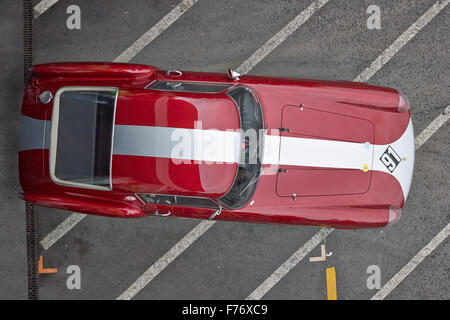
{"x":128,"y":140}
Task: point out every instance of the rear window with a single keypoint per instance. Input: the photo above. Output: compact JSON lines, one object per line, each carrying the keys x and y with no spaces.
{"x":82,"y":131}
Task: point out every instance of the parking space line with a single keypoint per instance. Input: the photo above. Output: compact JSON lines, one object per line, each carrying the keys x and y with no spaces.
{"x":165,"y":260}
{"x":193,"y":235}
{"x":402,"y":40}
{"x":289,"y":264}
{"x":43,"y":6}
{"x":155,"y":31}
{"x":432,"y":128}
{"x":412,"y":264}
{"x":259,"y":292}
{"x":61,"y":230}
{"x":278,"y":38}
{"x":125,"y":56}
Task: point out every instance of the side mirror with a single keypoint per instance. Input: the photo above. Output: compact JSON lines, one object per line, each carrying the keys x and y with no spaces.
{"x":233,"y":75}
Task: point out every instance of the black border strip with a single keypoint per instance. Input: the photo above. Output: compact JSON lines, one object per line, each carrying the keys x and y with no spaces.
{"x":30,"y":209}
{"x":27,"y":38}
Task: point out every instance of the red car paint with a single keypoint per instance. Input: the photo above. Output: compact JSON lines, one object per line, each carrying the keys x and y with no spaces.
{"x":332,"y":197}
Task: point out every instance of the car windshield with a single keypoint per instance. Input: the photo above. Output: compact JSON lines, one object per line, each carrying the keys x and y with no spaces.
{"x":252,"y":125}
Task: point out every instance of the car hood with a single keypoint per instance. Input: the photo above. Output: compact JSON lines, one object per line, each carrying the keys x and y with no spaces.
{"x":321,"y":153}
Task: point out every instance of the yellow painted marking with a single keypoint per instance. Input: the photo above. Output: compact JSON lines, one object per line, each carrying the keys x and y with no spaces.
{"x":365,"y":168}
{"x":331,"y":284}
{"x":404,"y":159}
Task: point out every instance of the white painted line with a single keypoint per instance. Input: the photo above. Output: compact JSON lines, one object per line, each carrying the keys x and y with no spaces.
{"x":155,"y":31}
{"x":402,"y":40}
{"x":432,"y":128}
{"x":194,"y":234}
{"x":412,"y":264}
{"x":125,"y":56}
{"x":165,"y":260}
{"x":278,"y":38}
{"x":61,"y":230}
{"x":289,"y":264}
{"x":43,"y":6}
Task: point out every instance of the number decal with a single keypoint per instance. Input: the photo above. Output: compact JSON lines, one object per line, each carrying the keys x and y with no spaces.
{"x":390,"y":159}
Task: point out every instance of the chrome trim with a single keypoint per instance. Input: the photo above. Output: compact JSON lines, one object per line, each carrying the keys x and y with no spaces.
{"x":139,"y":198}
{"x":229,"y":86}
{"x":129,"y":198}
{"x":138,"y":195}
{"x":45,"y":97}
{"x":151,"y":83}
{"x":174,"y":73}
{"x":261,"y":142}
{"x":54,"y":137}
{"x":156,"y":213}
{"x":216,"y":213}
{"x":174,"y":84}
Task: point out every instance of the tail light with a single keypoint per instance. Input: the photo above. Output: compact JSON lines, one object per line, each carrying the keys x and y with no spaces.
{"x":403,"y":105}
{"x":394,"y":215}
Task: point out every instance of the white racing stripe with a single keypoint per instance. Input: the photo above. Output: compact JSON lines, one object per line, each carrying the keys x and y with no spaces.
{"x":43,"y":6}
{"x":177,"y":143}
{"x":308,"y":152}
{"x":404,"y":147}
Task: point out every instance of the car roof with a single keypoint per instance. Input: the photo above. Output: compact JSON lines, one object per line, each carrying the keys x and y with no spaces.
{"x":145,"y":125}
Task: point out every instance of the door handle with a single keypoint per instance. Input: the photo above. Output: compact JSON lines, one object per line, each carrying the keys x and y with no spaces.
{"x":173,"y":73}
{"x":163,"y":214}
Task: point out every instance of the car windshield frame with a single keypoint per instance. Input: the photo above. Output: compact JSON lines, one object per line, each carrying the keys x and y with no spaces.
{"x":54,"y":132}
{"x":247,"y":174}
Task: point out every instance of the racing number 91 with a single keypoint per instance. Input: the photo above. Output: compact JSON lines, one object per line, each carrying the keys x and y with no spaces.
{"x":390,"y":159}
{"x":246,"y":309}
